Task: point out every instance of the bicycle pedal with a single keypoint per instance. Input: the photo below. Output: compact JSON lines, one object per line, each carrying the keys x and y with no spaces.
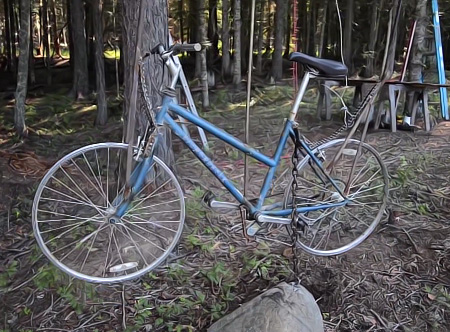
{"x":253,"y":229}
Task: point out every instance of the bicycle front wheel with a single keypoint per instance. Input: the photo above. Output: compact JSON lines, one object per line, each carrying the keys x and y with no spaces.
{"x":358,"y":176}
{"x":71,"y":213}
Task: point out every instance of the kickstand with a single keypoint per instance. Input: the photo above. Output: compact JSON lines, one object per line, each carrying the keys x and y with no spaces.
{"x":243,"y":210}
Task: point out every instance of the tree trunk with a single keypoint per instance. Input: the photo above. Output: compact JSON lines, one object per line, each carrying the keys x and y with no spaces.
{"x":419,"y":48}
{"x":54,"y":19}
{"x":260,"y":38}
{"x":7,"y":35}
{"x":80,"y":87}
{"x":226,"y":70}
{"x":180,"y":14}
{"x":13,"y":30}
{"x":269,"y":28}
{"x":348,"y":50}
{"x":308,"y":21}
{"x":32,"y":76}
{"x":320,"y":31}
{"x":22,"y":77}
{"x":213,"y":36}
{"x":70,"y":29}
{"x":45,"y":39}
{"x":155,"y":32}
{"x":277,"y":57}
{"x":287,"y":38}
{"x":373,"y":36}
{"x":237,"y":74}
{"x":419,"y":45}
{"x":102,"y":107}
{"x":202,"y":54}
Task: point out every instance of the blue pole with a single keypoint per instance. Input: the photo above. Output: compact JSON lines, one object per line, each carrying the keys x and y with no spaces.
{"x":440,"y":59}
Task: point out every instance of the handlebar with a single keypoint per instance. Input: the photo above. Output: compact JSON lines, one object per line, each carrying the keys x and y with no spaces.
{"x":177,"y":48}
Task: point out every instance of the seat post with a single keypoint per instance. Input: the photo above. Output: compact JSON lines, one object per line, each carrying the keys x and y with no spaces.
{"x":299,"y":97}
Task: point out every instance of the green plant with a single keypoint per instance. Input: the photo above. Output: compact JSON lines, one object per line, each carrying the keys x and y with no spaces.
{"x":8,"y":274}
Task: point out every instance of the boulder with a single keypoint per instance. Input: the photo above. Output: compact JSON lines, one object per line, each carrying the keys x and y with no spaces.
{"x":284,"y":308}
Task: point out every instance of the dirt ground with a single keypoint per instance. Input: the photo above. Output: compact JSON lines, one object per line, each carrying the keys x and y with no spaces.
{"x":397,"y":280}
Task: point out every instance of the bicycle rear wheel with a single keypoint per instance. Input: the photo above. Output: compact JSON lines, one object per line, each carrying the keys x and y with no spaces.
{"x":335,"y":230}
{"x":71,"y":213}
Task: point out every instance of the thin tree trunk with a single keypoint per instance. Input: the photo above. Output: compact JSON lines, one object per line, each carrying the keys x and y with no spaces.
{"x":287,"y":40}
{"x":70,"y":29}
{"x":13,"y":30}
{"x":348,"y":50}
{"x":260,"y":38}
{"x":419,"y":48}
{"x":226,"y":70}
{"x":7,"y":35}
{"x":22,"y":78}
{"x":213,"y":36}
{"x":308,"y":27}
{"x":202,"y":54}
{"x":269,"y":28}
{"x":237,"y":73}
{"x":102,"y":107}
{"x":45,"y":39}
{"x":54,"y":19}
{"x":374,"y":24}
{"x":80,"y":87}
{"x":180,"y":14}
{"x":32,"y":75}
{"x":277,"y":56}
{"x":320,"y":31}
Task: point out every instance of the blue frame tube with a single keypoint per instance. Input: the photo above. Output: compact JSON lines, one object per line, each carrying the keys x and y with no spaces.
{"x":163,"y":116}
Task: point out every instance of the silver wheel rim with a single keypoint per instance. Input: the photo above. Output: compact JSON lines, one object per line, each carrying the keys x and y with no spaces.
{"x":133,"y":226}
{"x":378,"y":214}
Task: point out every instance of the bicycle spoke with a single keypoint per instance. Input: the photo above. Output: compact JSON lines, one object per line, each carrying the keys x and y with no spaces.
{"x":148,"y":231}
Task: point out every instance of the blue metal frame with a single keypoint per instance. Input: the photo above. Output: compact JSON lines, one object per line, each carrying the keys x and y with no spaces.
{"x":440,"y":59}
{"x":164,"y":117}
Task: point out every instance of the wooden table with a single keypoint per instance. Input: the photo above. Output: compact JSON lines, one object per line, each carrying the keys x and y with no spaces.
{"x":391,"y":89}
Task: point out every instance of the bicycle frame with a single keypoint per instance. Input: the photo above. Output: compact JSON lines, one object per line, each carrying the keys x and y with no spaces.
{"x":164,"y":116}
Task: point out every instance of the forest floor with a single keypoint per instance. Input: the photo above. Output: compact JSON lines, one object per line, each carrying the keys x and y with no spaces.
{"x":397,"y":280}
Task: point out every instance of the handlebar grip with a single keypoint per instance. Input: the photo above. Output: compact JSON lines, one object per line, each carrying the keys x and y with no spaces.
{"x":197,"y":47}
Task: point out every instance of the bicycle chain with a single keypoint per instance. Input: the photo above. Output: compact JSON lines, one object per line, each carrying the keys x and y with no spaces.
{"x":294,"y":188}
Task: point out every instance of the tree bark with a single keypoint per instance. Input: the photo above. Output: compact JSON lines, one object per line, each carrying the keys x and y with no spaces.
{"x":213,"y":36}
{"x":202,"y":54}
{"x":180,"y":14}
{"x":260,"y":38}
{"x":80,"y":87}
{"x":373,"y":35}
{"x":102,"y":107}
{"x":287,"y":38}
{"x":13,"y":31}
{"x":348,"y":29}
{"x":155,"y":32}
{"x":419,"y":45}
{"x":277,"y":57}
{"x":269,"y":28}
{"x":32,"y":76}
{"x":226,"y":70}
{"x":320,"y":30}
{"x":22,"y":77}
{"x":237,"y":72}
{"x":54,"y":19}
{"x":7,"y":35}
{"x":45,"y":39}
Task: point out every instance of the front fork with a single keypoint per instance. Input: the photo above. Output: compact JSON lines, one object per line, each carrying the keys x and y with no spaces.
{"x":137,"y":180}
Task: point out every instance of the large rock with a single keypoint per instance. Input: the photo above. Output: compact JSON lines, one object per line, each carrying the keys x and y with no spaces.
{"x":285,"y":308}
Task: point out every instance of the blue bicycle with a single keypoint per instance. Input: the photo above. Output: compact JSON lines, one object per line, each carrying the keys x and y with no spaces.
{"x":99,"y":222}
